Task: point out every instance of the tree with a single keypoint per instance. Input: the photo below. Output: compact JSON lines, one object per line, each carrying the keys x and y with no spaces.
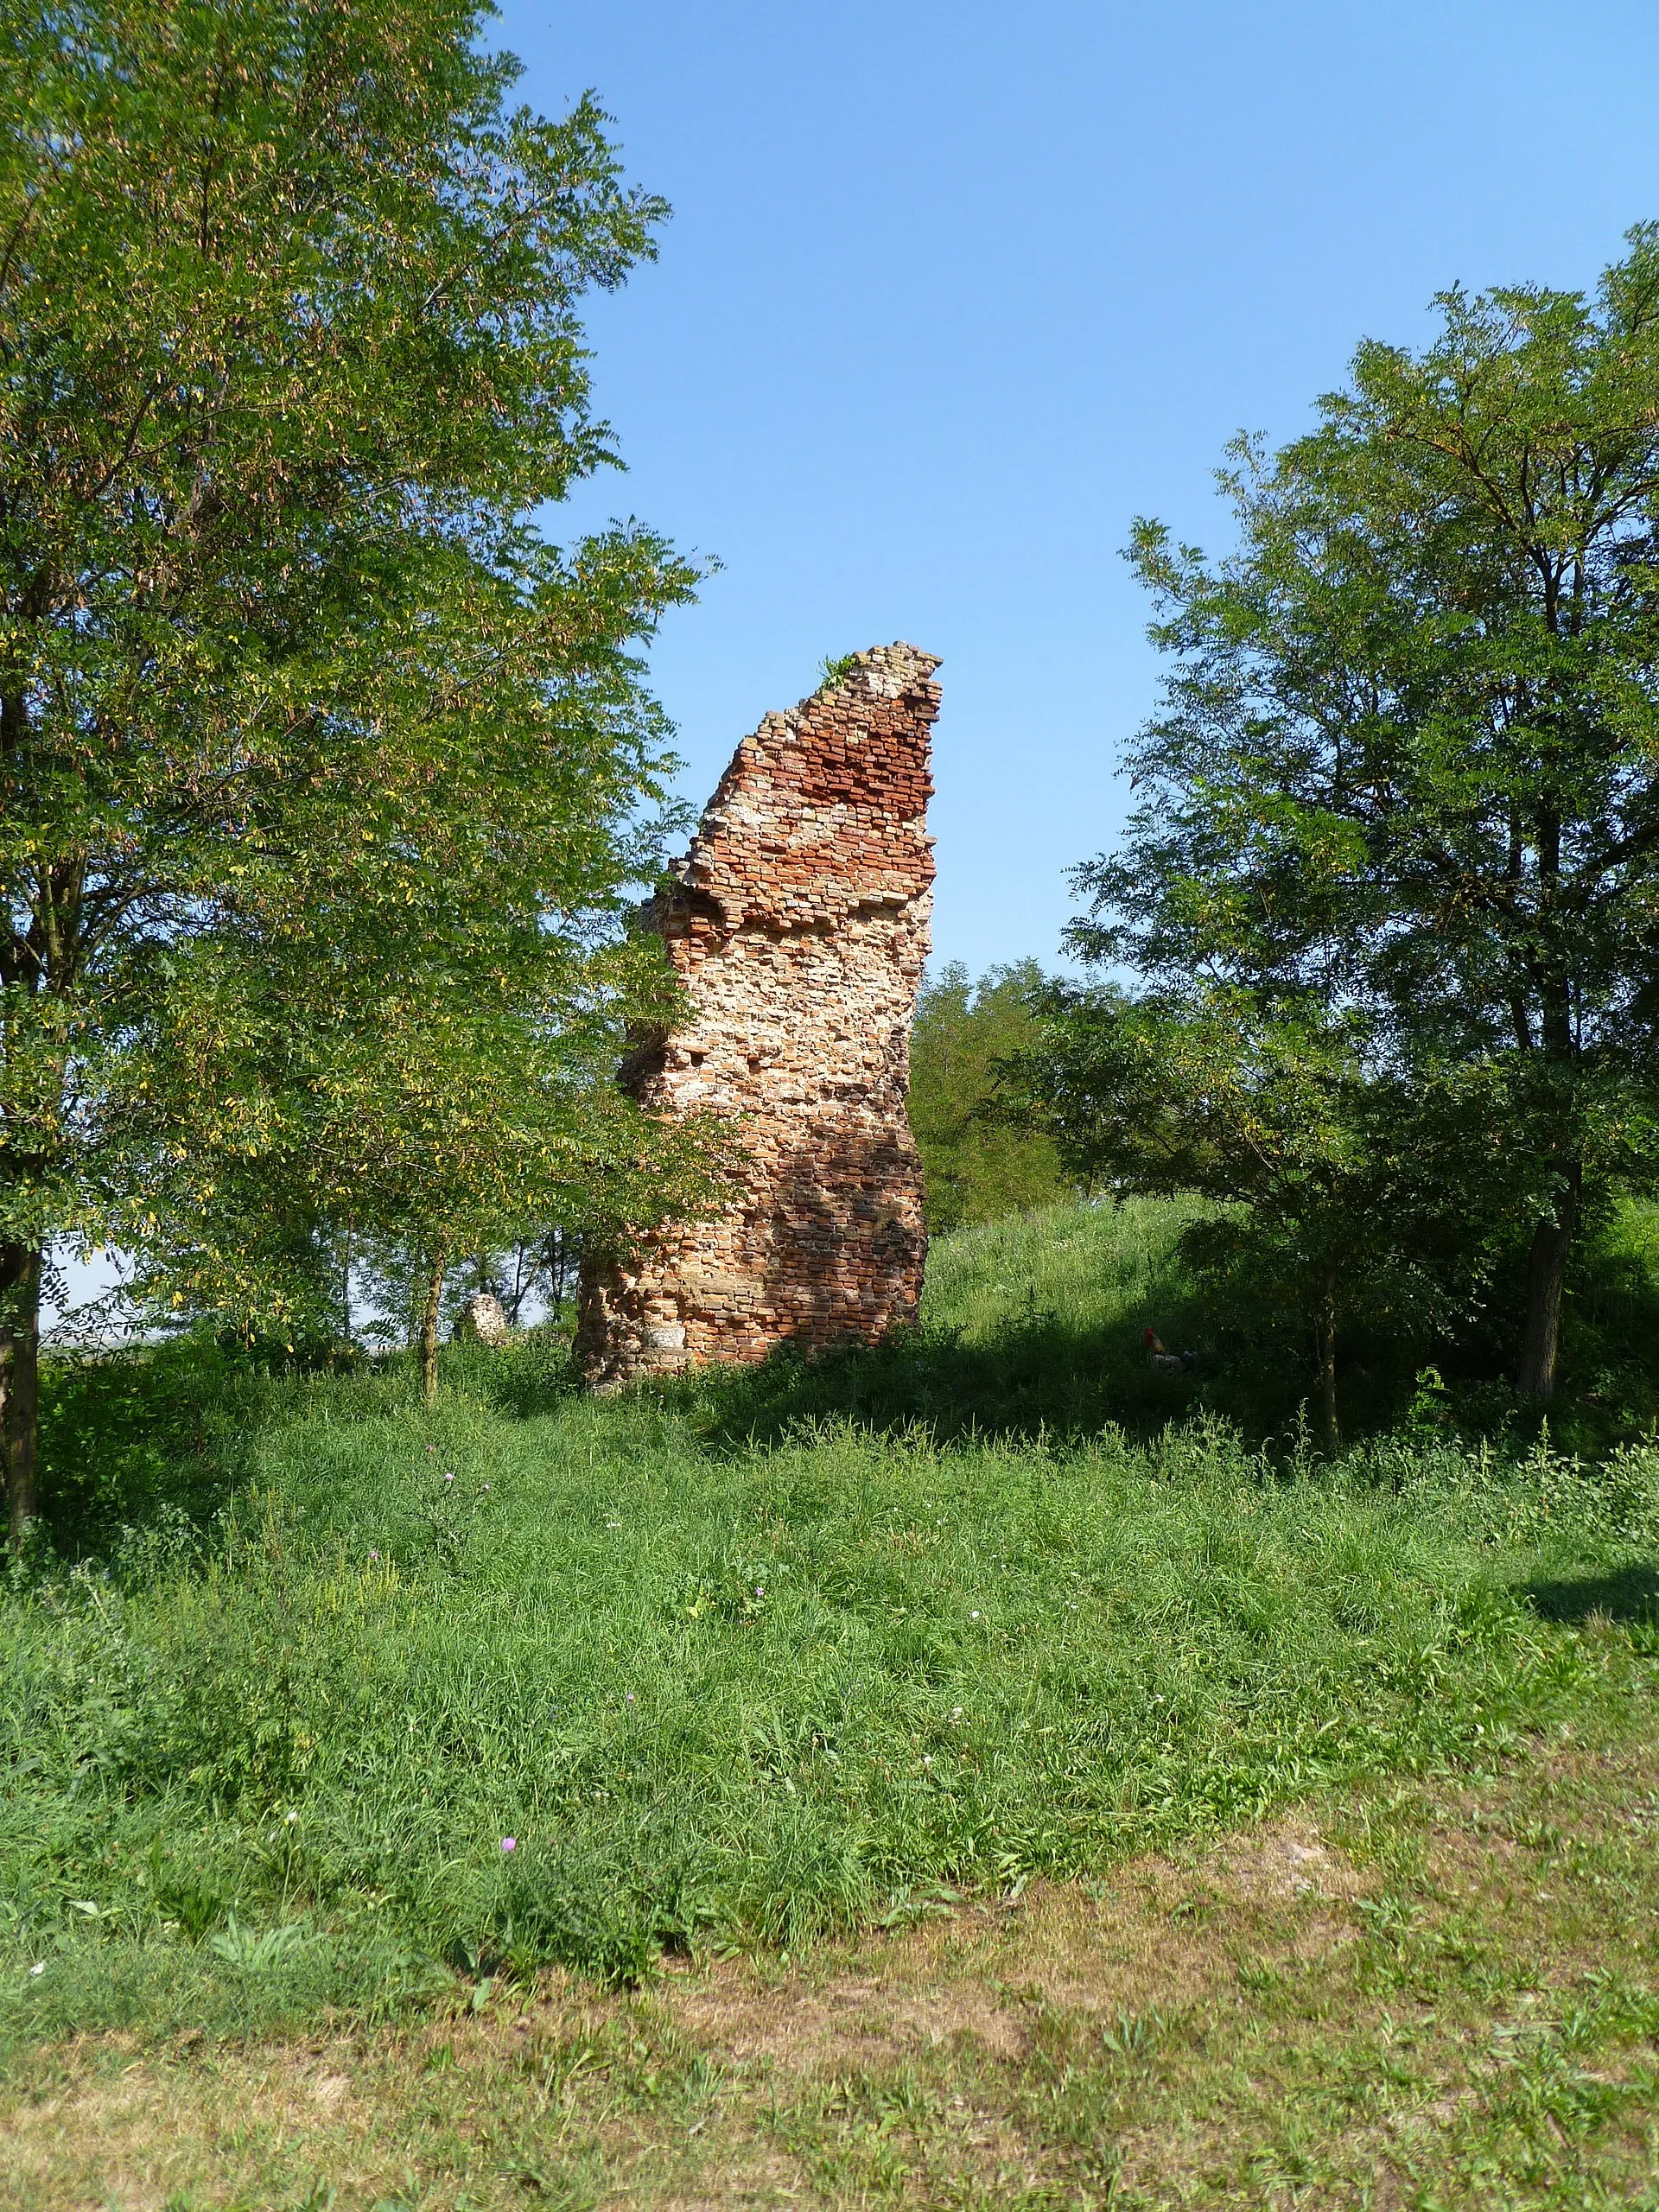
{"x":1406,"y":762}
{"x":293,"y":702}
{"x":1340,"y":1187}
{"x":977,"y":1168}
{"x":420,"y":1132}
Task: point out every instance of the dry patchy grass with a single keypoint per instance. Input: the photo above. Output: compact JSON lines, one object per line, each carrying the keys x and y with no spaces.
{"x":1432,"y":1995}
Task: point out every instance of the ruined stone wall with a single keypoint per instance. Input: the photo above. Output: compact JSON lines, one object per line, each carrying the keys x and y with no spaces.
{"x":799,"y":922}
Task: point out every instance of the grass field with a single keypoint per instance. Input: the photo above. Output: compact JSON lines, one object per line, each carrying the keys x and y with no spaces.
{"x":378,"y":1735}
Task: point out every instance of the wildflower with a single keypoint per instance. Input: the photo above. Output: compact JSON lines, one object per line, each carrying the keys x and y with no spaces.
{"x":630,"y":1698}
{"x":759,"y":1589}
{"x":431,"y":1447}
{"x":484,"y":1485}
{"x":509,"y":1843}
{"x":450,"y":1478}
{"x":973,"y":1617}
{"x":38,"y":1967}
{"x":290,"y":1816}
{"x":374,"y":1555}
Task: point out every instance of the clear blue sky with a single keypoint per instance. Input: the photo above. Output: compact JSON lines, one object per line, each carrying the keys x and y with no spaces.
{"x":952,"y":292}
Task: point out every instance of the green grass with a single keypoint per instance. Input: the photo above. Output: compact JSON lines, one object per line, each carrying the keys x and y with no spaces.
{"x":730,"y":1666}
{"x":1033,"y":1327}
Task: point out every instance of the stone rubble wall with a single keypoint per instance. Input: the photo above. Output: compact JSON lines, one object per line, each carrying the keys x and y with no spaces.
{"x":482,"y":1319}
{"x":799,"y":923}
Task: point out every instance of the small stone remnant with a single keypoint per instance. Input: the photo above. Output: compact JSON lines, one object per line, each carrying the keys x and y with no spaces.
{"x":799,"y":923}
{"x":483,"y":1319}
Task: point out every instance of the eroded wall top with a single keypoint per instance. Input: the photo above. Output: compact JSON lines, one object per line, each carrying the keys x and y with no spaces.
{"x":824,"y":807}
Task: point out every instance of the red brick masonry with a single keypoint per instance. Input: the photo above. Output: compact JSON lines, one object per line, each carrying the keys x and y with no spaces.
{"x":799,"y":925}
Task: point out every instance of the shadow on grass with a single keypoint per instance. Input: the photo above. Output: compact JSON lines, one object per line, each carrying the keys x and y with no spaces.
{"x":1034,"y":1378}
{"x":1629,"y":1595}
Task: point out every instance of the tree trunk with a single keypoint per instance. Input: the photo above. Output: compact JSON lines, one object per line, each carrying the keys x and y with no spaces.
{"x":19,"y":1384}
{"x":1328,"y":1337}
{"x":1551,"y":1240}
{"x":429,"y":1332}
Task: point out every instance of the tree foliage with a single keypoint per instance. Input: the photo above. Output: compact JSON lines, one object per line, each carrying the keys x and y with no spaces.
{"x":321,"y":768}
{"x":1405,"y":766}
{"x":1342,"y":1188}
{"x":977,"y":1167}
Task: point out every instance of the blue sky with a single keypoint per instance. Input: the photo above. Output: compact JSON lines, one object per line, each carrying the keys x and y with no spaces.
{"x":952,"y":292}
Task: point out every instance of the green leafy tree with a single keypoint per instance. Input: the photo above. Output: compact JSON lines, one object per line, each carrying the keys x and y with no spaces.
{"x":1406,"y":762}
{"x":423,"y":1132}
{"x":977,"y":1167}
{"x":1341,"y":1188}
{"x":291,"y":697}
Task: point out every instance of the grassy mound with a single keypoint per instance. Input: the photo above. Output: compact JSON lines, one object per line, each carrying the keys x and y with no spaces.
{"x":546,"y":1679}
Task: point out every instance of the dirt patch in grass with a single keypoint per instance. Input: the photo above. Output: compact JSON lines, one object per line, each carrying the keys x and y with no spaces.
{"x":1147,"y":1939}
{"x":871,"y":2013}
{"x":1285,"y":1862}
{"x":1432,"y":1992}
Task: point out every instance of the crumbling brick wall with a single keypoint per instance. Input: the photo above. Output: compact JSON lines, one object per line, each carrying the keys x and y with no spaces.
{"x":799,"y":923}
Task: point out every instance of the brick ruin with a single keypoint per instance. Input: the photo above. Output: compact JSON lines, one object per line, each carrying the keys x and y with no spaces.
{"x":798,"y":924}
